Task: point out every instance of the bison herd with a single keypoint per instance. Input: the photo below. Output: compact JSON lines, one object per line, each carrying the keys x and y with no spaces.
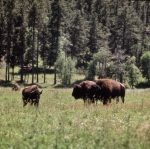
{"x":103,"y":90}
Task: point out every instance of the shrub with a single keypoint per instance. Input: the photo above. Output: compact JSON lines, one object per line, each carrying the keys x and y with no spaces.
{"x":65,"y":68}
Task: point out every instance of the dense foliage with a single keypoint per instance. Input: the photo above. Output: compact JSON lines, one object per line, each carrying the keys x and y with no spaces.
{"x":35,"y":29}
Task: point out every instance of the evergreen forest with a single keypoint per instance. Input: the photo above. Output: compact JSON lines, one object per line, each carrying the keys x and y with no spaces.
{"x":98,"y":38}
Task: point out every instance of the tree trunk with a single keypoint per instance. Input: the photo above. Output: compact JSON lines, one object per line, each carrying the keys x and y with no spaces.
{"x":57,"y":40}
{"x":21,"y":61}
{"x":124,"y":31}
{"x":22,"y":37}
{"x":44,"y":77}
{"x":37,"y":56}
{"x":8,"y":50}
{"x":33,"y":36}
{"x":12,"y":74}
{"x":6,"y":72}
{"x":147,"y":13}
{"x":55,"y":77}
{"x":21,"y":54}
{"x":44,"y":62}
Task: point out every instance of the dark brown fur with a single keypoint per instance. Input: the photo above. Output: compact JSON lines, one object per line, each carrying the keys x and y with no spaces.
{"x":111,"y":89}
{"x":86,"y":90}
{"x":31,"y":94}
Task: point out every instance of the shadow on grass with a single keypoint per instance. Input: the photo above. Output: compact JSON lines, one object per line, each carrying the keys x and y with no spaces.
{"x":41,"y":85}
{"x":6,"y":84}
{"x":143,"y":85}
{"x":12,"y":83}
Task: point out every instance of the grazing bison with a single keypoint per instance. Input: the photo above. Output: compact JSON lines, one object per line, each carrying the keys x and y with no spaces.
{"x":111,"y":89}
{"x":31,"y":94}
{"x":86,"y":90}
{"x":16,"y":87}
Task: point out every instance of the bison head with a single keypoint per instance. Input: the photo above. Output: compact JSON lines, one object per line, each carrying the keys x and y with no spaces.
{"x":77,"y":91}
{"x":35,"y":94}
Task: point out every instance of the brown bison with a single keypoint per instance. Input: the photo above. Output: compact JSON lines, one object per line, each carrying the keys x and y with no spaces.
{"x":86,"y":90}
{"x":16,"y":87}
{"x":31,"y":94}
{"x":111,"y":89}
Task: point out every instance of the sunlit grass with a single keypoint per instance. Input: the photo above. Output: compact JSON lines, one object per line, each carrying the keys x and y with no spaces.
{"x":63,"y":122}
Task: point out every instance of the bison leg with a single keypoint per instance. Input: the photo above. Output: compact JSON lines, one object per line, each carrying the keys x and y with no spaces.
{"x":105,"y":101}
{"x":122,"y":99}
{"x":109,"y":100}
{"x":36,"y":103}
{"x":117,"y":100}
{"x":89,"y":101}
{"x":85,"y":101}
{"x":24,"y":103}
{"x":95,"y":100}
{"x":31,"y":102}
{"x":92,"y":100}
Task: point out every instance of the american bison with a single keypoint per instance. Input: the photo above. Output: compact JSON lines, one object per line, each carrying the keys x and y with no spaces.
{"x":86,"y":90}
{"x":31,"y":94}
{"x":111,"y":89}
{"x":16,"y":87}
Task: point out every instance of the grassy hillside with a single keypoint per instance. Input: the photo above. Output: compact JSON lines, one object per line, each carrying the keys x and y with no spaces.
{"x":62,"y":122}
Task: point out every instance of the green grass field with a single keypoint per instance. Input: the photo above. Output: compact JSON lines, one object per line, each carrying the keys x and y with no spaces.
{"x":61,"y":122}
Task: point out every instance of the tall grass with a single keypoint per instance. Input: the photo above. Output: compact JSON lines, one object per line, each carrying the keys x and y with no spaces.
{"x":61,"y":122}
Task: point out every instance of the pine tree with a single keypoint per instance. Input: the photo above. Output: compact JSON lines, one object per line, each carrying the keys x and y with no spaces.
{"x":9,"y":32}
{"x":77,"y":36}
{"x":32,"y":23}
{"x":145,"y":62}
{"x":133,"y":74}
{"x":2,"y":29}
{"x":54,"y":30}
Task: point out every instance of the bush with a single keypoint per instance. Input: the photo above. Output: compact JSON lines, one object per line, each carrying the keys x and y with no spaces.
{"x":65,"y":68}
{"x":145,"y":62}
{"x":91,"y":71}
{"x":134,"y":75}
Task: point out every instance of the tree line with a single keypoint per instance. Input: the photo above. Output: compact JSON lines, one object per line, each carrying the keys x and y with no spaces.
{"x":107,"y":38}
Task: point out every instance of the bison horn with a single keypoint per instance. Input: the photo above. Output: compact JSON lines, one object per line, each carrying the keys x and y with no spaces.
{"x":32,"y":91}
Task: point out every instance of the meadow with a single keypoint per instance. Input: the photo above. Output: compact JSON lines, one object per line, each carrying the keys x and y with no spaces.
{"x":61,"y":122}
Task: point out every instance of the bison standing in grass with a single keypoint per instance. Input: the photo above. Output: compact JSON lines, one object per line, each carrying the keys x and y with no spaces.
{"x":31,"y":94}
{"x":86,"y":90}
{"x":111,"y":89}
